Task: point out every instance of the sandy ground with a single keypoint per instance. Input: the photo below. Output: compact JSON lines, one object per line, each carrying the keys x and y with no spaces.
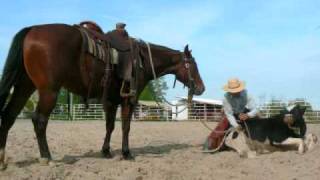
{"x":163,"y":150}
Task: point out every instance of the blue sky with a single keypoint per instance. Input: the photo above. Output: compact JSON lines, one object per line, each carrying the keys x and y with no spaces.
{"x":274,"y":46}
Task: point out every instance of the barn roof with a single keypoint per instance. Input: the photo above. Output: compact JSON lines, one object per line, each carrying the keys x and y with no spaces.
{"x":152,"y":103}
{"x":205,"y":101}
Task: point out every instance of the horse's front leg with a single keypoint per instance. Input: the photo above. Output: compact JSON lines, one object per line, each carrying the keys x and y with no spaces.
{"x":126,"y":113}
{"x":110,"y":111}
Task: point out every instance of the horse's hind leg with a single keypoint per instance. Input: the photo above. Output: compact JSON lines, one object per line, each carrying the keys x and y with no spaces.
{"x":22,"y":91}
{"x":47,"y":101}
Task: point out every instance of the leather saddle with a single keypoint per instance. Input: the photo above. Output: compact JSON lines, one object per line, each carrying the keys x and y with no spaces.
{"x":114,"y":39}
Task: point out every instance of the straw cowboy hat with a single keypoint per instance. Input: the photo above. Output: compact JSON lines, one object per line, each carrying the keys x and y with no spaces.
{"x":234,"y":86}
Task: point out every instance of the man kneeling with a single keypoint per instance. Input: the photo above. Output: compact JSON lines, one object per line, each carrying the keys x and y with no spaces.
{"x":238,"y":106}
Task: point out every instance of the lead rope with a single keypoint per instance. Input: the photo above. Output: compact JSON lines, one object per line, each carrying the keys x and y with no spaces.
{"x":176,"y":105}
{"x":222,"y":142}
{"x":225,"y":136}
{"x":151,"y":62}
{"x":249,"y":136}
{"x":155,"y":78}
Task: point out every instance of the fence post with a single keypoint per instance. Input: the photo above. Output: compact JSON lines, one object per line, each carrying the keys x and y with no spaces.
{"x":70,"y":106}
{"x":205,"y":112}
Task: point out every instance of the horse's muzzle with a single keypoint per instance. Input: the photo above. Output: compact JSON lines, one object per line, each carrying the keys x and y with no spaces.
{"x":199,"y":90}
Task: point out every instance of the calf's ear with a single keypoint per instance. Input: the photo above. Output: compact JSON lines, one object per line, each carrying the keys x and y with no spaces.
{"x":303,"y":109}
{"x":284,"y":111}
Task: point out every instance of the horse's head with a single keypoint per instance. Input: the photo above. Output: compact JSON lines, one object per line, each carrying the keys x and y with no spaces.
{"x":293,"y":116}
{"x":188,"y":74}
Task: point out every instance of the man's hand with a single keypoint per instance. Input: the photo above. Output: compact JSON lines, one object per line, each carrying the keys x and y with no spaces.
{"x":243,"y":116}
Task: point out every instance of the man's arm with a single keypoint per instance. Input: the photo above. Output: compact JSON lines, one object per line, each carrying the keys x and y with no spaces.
{"x":252,"y":106}
{"x":229,"y":113}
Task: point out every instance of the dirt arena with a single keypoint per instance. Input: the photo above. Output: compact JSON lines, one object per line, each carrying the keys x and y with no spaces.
{"x":163,"y":150}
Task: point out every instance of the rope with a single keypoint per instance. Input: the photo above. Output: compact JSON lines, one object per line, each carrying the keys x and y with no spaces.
{"x":249,"y":135}
{"x":226,"y":133}
{"x":155,"y":78}
{"x":151,"y":62}
{"x":224,"y":138}
{"x":206,"y":125}
{"x":210,"y":129}
{"x":171,"y":105}
{"x":222,"y":142}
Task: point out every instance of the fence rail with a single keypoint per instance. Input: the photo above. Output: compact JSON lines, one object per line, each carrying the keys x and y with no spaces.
{"x":198,"y":111}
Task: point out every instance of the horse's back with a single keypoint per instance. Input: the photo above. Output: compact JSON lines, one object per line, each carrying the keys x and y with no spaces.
{"x":54,"y":36}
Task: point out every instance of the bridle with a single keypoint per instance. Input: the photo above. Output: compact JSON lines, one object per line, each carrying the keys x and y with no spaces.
{"x":191,"y":83}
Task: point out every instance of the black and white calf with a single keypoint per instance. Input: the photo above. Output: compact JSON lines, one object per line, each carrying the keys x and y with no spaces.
{"x":260,"y":134}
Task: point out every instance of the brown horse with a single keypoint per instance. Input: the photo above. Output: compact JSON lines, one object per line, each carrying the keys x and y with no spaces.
{"x":48,"y":57}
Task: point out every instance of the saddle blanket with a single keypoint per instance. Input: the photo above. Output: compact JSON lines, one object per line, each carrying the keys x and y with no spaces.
{"x":98,"y":48}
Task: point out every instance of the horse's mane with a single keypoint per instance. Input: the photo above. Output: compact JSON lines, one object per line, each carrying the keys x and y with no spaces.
{"x":157,"y":46}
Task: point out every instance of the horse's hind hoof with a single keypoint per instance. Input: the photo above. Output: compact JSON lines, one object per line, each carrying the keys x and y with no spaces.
{"x":44,"y":161}
{"x":127,"y":156}
{"x":3,"y":166}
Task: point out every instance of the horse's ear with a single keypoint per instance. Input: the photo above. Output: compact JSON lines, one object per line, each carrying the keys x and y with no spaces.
{"x":186,"y":49}
{"x":187,"y":52}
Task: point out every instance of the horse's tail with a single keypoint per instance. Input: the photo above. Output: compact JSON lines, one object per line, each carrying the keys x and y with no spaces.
{"x":13,"y":67}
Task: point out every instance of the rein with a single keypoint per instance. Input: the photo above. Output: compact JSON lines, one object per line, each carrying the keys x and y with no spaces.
{"x":191,"y":83}
{"x":190,"y":92}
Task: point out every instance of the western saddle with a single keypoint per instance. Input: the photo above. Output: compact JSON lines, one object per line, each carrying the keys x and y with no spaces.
{"x":106,"y":47}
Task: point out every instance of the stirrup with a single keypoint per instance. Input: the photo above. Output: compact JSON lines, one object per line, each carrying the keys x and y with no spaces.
{"x":124,"y":94}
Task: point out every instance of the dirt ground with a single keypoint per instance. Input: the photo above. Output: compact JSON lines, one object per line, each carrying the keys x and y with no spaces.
{"x":163,"y":150}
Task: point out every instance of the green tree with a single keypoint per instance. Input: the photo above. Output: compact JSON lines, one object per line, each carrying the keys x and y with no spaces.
{"x":147,"y":94}
{"x":63,"y":97}
{"x":155,"y":90}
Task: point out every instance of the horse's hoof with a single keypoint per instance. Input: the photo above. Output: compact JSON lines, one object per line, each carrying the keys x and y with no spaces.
{"x":127,"y":156}
{"x":107,"y":154}
{"x":3,"y":166}
{"x":44,"y":161}
{"x":52,"y":164}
